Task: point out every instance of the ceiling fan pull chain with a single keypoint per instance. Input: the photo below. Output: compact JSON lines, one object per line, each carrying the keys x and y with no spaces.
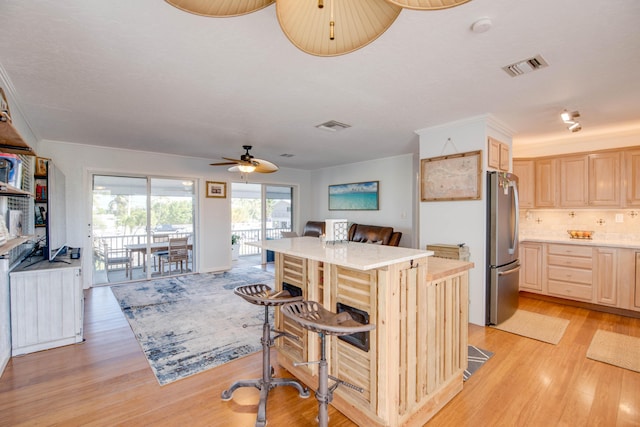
{"x":331,"y":24}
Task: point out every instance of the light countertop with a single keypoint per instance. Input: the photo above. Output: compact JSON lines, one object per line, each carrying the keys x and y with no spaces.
{"x":437,"y":268}
{"x":595,"y":241}
{"x":359,"y":256}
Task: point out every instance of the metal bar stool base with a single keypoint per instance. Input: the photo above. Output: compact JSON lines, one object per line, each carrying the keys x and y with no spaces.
{"x":312,"y":316}
{"x":259,"y":294}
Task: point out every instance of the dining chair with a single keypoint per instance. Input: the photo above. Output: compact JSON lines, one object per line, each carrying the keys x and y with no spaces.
{"x":116,"y":257}
{"x":158,"y":239}
{"x":178,"y":253}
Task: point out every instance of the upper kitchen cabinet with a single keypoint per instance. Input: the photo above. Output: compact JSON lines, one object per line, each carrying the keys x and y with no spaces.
{"x":604,"y":179}
{"x":598,"y":180}
{"x":632,"y":172}
{"x":590,"y":180}
{"x":574,"y":181}
{"x":545,"y":187}
{"x":498,"y":157}
{"x":525,"y":171}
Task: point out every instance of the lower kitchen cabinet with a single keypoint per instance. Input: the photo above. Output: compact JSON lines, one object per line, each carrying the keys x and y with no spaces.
{"x":531,"y":270}
{"x":636,"y":296}
{"x":605,"y":279}
{"x":569,"y":271}
{"x":594,"y":274}
{"x":47,"y":306}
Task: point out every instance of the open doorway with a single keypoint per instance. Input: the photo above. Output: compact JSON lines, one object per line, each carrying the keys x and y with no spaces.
{"x":258,"y":212}
{"x":142,"y":227}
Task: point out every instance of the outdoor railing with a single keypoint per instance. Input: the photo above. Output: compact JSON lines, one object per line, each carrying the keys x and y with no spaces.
{"x":119,"y":243}
{"x":255,"y":234}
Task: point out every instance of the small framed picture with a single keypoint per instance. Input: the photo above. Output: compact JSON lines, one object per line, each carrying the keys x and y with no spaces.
{"x":216,"y":189}
{"x":41,"y":166}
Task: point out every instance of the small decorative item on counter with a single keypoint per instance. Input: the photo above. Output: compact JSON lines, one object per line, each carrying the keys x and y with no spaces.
{"x":580,"y":234}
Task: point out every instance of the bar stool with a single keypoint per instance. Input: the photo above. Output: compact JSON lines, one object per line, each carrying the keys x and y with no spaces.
{"x":260,"y":294}
{"x":312,"y":316}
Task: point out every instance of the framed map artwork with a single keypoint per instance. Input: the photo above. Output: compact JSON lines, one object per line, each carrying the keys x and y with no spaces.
{"x":452,"y":177}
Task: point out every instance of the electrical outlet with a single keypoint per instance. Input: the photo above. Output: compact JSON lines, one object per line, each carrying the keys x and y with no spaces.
{"x":619,"y":218}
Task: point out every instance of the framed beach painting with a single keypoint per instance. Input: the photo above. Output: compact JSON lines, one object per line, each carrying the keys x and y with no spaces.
{"x":357,"y":196}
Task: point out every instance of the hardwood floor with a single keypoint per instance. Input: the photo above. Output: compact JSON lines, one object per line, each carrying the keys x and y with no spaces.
{"x":107,"y":381}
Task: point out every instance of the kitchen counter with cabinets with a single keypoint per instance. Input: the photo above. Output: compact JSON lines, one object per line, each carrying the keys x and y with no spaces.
{"x":602,"y":272}
{"x":411,"y":364}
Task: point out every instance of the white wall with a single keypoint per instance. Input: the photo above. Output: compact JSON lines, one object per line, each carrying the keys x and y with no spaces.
{"x":397,"y":183}
{"x":213,"y":253}
{"x":455,"y":222}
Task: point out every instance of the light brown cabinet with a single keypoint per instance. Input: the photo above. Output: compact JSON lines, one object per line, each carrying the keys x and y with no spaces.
{"x":569,"y":271}
{"x":531,"y":271}
{"x":525,"y":171}
{"x":605,"y":279}
{"x":636,"y":301}
{"x":604,"y":179}
{"x":632,"y":172}
{"x":574,"y":181}
{"x":545,"y":183}
{"x":602,"y":275}
{"x":498,"y":157}
{"x":609,"y":178}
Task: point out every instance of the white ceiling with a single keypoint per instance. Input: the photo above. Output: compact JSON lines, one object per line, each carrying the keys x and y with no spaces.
{"x":144,"y":75}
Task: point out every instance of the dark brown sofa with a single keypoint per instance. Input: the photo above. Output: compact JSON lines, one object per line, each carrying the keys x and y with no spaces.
{"x":314,"y":228}
{"x":374,"y":234}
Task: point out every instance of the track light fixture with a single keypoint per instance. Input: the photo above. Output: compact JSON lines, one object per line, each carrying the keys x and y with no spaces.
{"x":570,"y":119}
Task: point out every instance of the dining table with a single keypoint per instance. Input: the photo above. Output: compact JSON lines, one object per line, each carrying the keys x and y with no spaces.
{"x":154,"y":247}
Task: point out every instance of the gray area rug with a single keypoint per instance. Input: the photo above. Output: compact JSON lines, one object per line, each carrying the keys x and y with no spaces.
{"x":189,"y":324}
{"x":477,"y":358}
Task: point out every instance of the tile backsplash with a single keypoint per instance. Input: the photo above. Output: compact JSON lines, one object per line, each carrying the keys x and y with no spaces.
{"x":604,"y":223}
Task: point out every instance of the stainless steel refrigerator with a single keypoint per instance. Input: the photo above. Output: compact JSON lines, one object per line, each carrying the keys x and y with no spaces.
{"x":503,"y":265}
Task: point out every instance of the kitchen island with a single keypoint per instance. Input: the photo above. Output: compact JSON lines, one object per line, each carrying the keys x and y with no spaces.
{"x":412,"y":363}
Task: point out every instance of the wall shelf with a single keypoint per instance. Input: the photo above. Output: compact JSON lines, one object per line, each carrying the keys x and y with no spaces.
{"x":9,"y":190}
{"x":12,"y":142}
{"x":13,"y":243}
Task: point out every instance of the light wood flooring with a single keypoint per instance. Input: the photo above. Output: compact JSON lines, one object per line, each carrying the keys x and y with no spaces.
{"x":106,"y":381}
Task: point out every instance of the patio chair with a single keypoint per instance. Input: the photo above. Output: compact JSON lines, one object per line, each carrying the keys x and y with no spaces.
{"x":178,"y":253}
{"x":116,"y":257}
{"x":156,"y":255}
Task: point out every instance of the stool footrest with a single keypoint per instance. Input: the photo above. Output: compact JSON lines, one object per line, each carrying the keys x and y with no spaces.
{"x":284,"y":334}
{"x":344,"y":383}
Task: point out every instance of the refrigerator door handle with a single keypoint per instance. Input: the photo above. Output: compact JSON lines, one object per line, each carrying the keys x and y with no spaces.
{"x":516,"y":213}
{"x":510,"y":271}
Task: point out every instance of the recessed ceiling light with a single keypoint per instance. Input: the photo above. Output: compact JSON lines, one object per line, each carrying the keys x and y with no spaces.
{"x":287,"y":155}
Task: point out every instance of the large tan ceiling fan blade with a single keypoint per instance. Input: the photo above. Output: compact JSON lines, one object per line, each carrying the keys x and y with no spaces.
{"x":264,"y":166}
{"x":427,"y":4}
{"x":224,"y":163}
{"x":356,"y":24}
{"x":261,"y":166}
{"x":220,"y":8}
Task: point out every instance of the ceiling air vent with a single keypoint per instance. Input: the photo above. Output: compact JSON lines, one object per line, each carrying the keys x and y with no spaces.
{"x":332,"y":126}
{"x":525,"y":66}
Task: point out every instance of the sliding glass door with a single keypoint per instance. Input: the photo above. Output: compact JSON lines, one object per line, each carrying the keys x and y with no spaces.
{"x":136,"y":220}
{"x":260,"y":211}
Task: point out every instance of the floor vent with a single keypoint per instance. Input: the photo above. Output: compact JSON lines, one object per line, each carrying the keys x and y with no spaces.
{"x":332,"y":126}
{"x":525,"y":66}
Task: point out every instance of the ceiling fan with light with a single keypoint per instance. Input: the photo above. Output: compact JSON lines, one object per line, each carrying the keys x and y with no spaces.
{"x":342,"y":27}
{"x":247,"y":163}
